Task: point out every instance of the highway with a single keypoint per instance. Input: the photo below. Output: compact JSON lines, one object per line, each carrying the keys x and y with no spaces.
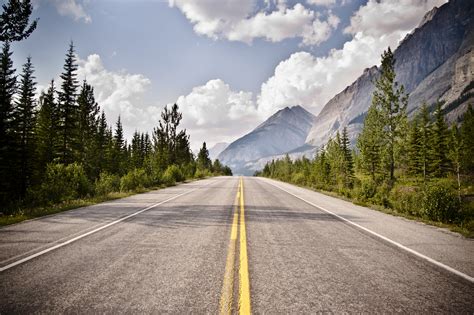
{"x":230,"y":245}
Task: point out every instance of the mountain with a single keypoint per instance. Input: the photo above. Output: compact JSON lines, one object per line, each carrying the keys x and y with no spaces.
{"x":284,"y":131}
{"x":435,"y":61}
{"x":216,"y":149}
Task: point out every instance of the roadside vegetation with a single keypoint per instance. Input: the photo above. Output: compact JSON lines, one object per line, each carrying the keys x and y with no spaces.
{"x":419,"y":168}
{"x":59,"y":151}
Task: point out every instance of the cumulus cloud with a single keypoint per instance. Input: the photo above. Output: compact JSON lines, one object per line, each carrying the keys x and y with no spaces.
{"x":213,"y":112}
{"x":118,"y":93}
{"x":72,"y":8}
{"x":379,"y":18}
{"x":238,"y":21}
{"x":312,"y":81}
{"x":322,"y":2}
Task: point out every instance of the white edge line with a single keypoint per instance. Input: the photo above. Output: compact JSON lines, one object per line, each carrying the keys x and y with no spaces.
{"x":21,"y":261}
{"x":431,"y":260}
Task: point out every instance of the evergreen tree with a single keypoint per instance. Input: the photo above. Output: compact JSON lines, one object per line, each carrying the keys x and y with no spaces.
{"x":455,"y":152}
{"x":46,"y":130}
{"x":425,"y":136}
{"x":25,"y":122}
{"x":370,"y":142}
{"x":439,"y":144}
{"x":102,"y":143}
{"x":88,"y":124}
{"x":119,"y":150}
{"x":7,"y":136}
{"x":68,"y":108}
{"x":467,"y":134}
{"x":203,"y":160}
{"x":391,"y":102}
{"x":137,"y":151}
{"x":348,"y":161}
{"x":170,"y":146}
{"x":14,"y":21}
{"x":414,"y":146}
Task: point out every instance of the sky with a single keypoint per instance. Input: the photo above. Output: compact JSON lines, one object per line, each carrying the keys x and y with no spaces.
{"x":228,"y":64}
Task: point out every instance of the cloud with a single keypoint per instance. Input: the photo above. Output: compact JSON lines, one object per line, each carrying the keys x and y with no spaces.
{"x":322,"y":2}
{"x":118,"y":93}
{"x":238,"y":21}
{"x":312,"y":81}
{"x":213,"y":112}
{"x":379,"y":18}
{"x":72,"y":8}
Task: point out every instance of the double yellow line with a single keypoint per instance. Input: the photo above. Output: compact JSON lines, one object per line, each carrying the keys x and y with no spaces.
{"x":244,"y":283}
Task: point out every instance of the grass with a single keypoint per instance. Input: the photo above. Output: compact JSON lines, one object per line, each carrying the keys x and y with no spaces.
{"x":28,"y":213}
{"x":466,"y":230}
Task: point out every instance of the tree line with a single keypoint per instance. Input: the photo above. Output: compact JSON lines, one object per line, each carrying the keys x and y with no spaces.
{"x":419,"y":166}
{"x":60,"y":146}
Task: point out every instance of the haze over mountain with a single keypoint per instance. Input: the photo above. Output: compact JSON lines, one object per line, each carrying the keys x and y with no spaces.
{"x":284,"y":131}
{"x":216,"y":149}
{"x":435,"y":61}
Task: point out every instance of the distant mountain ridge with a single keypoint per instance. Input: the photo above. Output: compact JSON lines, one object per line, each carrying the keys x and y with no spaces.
{"x":284,"y":131}
{"x":216,"y":149}
{"x":435,"y":61}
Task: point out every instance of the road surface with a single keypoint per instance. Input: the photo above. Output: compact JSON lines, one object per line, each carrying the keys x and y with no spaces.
{"x":232,"y":244}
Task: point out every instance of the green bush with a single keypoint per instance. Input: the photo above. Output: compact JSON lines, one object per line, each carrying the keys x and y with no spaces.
{"x":200,"y":173}
{"x":172,"y":175}
{"x":107,"y":183}
{"x":382,"y":194}
{"x":406,"y":199}
{"x":365,"y":190}
{"x":298,"y":179}
{"x":62,"y":183}
{"x":134,"y":179}
{"x":440,"y":201}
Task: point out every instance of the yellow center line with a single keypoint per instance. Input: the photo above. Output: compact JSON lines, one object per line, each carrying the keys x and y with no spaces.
{"x":244,"y":283}
{"x":244,"y":292}
{"x":227,"y":287}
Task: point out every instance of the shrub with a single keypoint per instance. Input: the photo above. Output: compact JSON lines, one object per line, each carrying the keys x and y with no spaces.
{"x":365,"y":190}
{"x":406,"y":199}
{"x":134,"y":179}
{"x":298,"y":179}
{"x":382,"y":194}
{"x":107,"y":183}
{"x":63,"y":182}
{"x":172,"y":175}
{"x":440,"y":201}
{"x":200,"y":173}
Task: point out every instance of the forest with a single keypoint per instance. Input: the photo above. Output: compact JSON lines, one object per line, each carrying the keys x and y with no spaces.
{"x":419,"y":167}
{"x":58,"y":151}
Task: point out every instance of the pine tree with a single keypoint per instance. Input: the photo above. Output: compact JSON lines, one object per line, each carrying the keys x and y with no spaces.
{"x":25,"y":122}
{"x":439,"y":144}
{"x":203,"y":160}
{"x":69,"y":109}
{"x":414,"y":148}
{"x":102,"y":143}
{"x":370,"y":142}
{"x":137,"y":151}
{"x":467,"y":134}
{"x":119,"y":150}
{"x":456,"y":148}
{"x":348,"y":161}
{"x":46,"y":130}
{"x":425,"y":136}
{"x":7,"y":136}
{"x":87,"y":130}
{"x":14,"y":21}
{"x":391,"y":101}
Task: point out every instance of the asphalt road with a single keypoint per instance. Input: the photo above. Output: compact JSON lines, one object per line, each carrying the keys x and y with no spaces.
{"x":221,"y":243}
